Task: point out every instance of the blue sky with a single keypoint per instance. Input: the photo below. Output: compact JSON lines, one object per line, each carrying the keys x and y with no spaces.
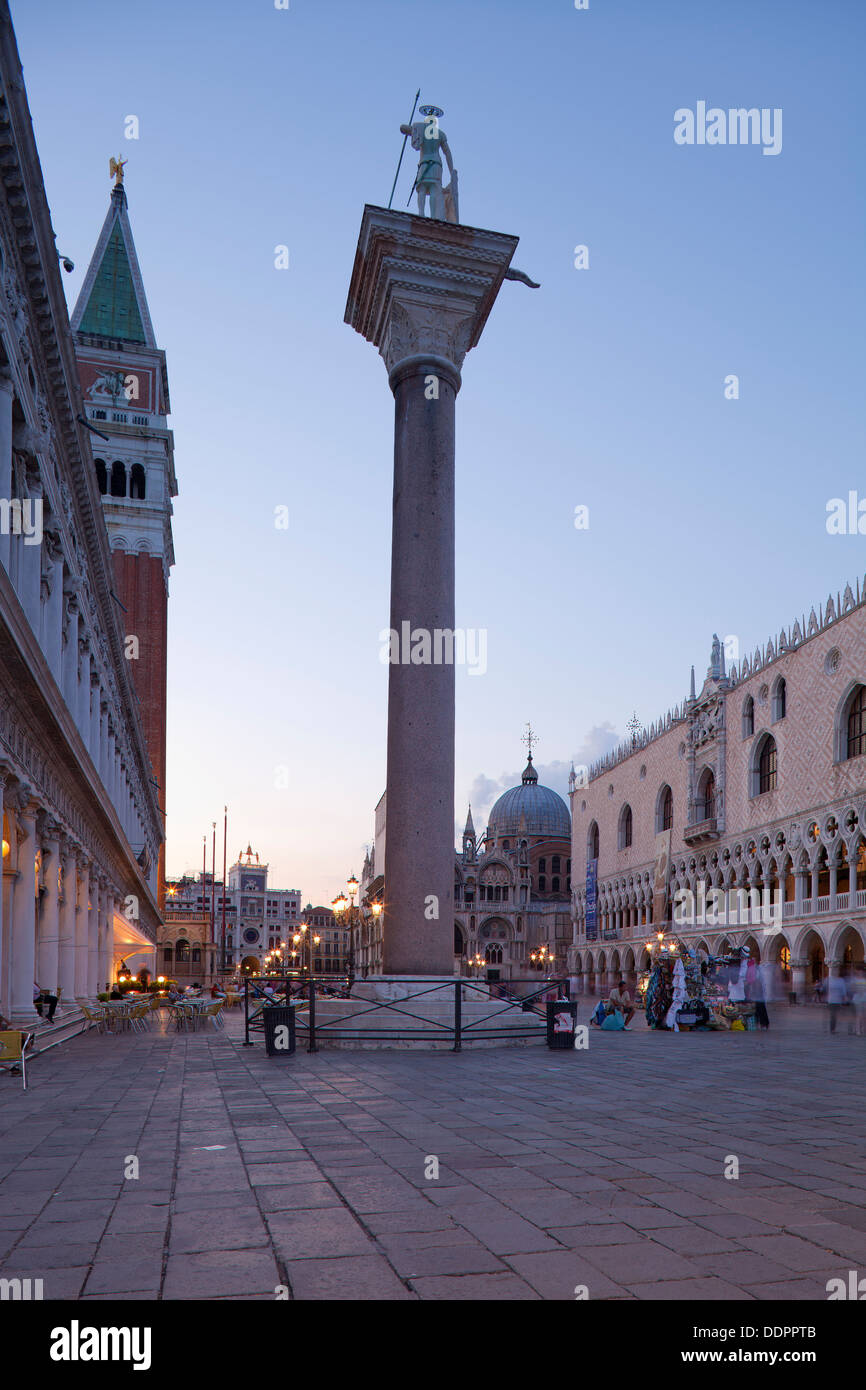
{"x":261,"y":127}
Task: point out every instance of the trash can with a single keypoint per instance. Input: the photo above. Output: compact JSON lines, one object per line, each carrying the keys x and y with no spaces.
{"x":561,"y":1023}
{"x":279,"y":1020}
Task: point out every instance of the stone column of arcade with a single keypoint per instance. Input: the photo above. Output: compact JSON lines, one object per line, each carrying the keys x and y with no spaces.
{"x":421,"y":292}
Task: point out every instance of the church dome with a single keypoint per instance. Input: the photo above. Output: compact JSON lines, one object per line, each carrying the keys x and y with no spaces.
{"x":530,"y":810}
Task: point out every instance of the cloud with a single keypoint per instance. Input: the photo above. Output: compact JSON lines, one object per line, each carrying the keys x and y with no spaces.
{"x":485,"y":790}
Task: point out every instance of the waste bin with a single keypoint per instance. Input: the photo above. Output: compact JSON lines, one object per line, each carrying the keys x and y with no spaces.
{"x":561,"y":1023}
{"x":279,"y":1020}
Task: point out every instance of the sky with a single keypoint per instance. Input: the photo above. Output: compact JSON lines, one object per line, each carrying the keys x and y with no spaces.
{"x":606,"y":388}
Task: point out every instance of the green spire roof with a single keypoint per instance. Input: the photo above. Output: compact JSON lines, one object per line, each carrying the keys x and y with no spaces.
{"x":112,"y":309}
{"x":112,"y":303}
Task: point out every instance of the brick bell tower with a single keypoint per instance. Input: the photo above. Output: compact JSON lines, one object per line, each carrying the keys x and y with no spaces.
{"x":124,"y":383}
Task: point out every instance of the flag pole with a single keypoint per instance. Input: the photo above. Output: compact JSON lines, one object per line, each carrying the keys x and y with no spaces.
{"x":225,"y":843}
{"x":403,"y":151}
{"x":213,"y":889}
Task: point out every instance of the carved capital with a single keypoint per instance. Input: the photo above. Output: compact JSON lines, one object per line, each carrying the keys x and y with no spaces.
{"x":424,"y":288}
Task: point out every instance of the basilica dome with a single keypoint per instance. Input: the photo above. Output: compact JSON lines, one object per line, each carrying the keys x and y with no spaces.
{"x":530,"y":810}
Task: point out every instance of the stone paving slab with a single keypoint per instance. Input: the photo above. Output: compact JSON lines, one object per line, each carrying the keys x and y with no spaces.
{"x":603,"y":1168}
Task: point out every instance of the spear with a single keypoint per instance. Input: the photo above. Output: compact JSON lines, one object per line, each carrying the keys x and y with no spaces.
{"x":403,"y":151}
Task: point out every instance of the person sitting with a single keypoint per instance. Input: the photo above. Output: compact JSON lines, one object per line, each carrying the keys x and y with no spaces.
{"x":40,"y":997}
{"x":621,"y":1001}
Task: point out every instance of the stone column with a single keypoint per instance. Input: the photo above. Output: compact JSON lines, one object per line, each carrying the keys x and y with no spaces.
{"x":23,"y":937}
{"x":68,"y":904}
{"x":7,"y":880}
{"x":93,"y":985}
{"x":106,"y":934}
{"x":82,"y":925}
{"x":7,"y":392}
{"x":421,"y":292}
{"x":48,"y":925}
{"x":798,"y":979}
{"x":51,"y":627}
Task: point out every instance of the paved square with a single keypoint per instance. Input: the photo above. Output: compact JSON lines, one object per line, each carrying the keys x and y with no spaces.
{"x":307,"y":1175}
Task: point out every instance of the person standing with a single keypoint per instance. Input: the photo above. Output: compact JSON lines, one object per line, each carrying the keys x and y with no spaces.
{"x":837,"y":997}
{"x":40,"y":997}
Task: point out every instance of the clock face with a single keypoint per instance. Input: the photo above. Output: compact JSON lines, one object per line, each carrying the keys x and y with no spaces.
{"x":251,"y":936}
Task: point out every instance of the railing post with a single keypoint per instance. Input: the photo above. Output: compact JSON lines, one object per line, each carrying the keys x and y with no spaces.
{"x":311,"y":1047}
{"x":458,"y":1015}
{"x":247,"y":1042}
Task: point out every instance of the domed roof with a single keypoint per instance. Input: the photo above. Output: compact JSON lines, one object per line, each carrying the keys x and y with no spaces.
{"x":530,"y":810}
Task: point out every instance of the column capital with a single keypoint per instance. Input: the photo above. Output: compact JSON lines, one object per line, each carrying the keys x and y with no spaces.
{"x":423,"y":289}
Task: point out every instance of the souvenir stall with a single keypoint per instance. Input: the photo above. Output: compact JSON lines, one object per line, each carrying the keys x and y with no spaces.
{"x":672,"y":990}
{"x":680,"y":991}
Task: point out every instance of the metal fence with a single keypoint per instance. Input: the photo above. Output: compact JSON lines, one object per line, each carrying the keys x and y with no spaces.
{"x":454,"y":1028}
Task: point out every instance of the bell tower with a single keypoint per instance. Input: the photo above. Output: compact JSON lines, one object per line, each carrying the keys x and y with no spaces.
{"x":124,"y":383}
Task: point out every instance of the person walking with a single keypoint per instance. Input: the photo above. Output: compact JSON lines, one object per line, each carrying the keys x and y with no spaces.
{"x":837,"y":997}
{"x":858,"y":999}
{"x":758,"y":995}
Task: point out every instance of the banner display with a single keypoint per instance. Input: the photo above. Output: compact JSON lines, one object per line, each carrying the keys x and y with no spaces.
{"x":592,"y":900}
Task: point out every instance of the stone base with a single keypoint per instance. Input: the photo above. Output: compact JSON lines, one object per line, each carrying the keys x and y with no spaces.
{"x":423,"y":1006}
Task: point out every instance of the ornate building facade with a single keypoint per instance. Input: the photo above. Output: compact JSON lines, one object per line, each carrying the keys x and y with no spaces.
{"x":259,"y":919}
{"x":512,"y":889}
{"x":739,"y":818}
{"x":82,"y":827}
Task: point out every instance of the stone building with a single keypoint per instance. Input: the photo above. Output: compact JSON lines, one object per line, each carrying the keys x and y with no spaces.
{"x":82,"y":827}
{"x":512,"y":889}
{"x":738,"y":818}
{"x":259,"y":919}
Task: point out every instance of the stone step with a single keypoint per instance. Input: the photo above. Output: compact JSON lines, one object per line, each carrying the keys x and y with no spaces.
{"x":66,"y":1025}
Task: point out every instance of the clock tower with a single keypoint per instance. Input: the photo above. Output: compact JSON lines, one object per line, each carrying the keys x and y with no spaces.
{"x":124,"y":383}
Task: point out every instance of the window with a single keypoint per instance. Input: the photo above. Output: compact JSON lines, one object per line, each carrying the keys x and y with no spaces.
{"x":542,"y":884}
{"x":764,"y":772}
{"x":748,"y":717}
{"x":554,"y":885}
{"x":664,"y":809}
{"x":780,"y":699}
{"x":625,"y":827}
{"x":856,"y":737}
{"x":196,"y":955}
{"x":101,"y":476}
{"x":182,"y":951}
{"x":555,"y":865}
{"x":542,"y":866}
{"x":706,"y":803}
{"x":137,"y":484}
{"x":118,"y":479}
{"x":167,"y":954}
{"x":592,"y":841}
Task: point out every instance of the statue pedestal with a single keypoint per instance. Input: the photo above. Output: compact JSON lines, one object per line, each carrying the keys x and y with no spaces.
{"x":421,"y":292}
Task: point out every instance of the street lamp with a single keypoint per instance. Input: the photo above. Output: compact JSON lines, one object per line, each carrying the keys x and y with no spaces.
{"x":353,"y":917}
{"x":300,"y":939}
{"x":541,"y":957}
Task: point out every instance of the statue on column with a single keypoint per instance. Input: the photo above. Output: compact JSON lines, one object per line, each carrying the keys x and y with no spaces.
{"x":430,"y":140}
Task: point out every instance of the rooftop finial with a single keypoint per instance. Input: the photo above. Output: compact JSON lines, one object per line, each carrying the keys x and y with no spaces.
{"x":115,"y":169}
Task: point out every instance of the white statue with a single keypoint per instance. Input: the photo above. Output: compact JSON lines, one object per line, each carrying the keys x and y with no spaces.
{"x":430,"y":140}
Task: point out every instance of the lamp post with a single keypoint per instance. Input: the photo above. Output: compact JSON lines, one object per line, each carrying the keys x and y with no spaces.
{"x":352,"y":918}
{"x":304,"y":937}
{"x":541,"y":957}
